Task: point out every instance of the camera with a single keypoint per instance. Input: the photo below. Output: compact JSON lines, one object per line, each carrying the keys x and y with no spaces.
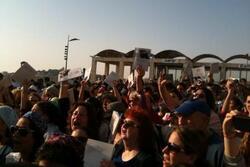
{"x":241,"y":123}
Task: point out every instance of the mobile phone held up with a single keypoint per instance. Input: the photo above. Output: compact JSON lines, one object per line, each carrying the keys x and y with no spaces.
{"x":241,"y":123}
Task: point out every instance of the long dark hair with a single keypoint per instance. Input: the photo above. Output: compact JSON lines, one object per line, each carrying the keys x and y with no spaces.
{"x":92,"y":126}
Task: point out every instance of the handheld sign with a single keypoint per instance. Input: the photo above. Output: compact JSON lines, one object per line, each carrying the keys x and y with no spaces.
{"x":73,"y":73}
{"x":130,"y":80}
{"x":96,"y":151}
{"x":115,"y":119}
{"x":199,"y":72}
{"x":110,"y":78}
{"x":87,"y":74}
{"x":141,"y":56}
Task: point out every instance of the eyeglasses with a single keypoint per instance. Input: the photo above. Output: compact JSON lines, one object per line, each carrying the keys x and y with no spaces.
{"x":174,"y":148}
{"x":127,"y":124}
{"x":20,"y":131}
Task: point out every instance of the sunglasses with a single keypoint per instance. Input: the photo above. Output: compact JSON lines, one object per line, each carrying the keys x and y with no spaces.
{"x":20,"y":131}
{"x":127,"y":124}
{"x":174,"y":148}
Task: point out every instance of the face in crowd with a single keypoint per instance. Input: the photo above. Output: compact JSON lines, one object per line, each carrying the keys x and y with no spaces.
{"x":184,"y":147}
{"x":79,"y":118}
{"x":247,"y":103}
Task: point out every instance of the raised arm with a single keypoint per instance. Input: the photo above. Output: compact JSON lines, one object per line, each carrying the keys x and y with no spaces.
{"x":230,"y":92}
{"x":139,"y":81}
{"x":231,"y":142}
{"x":169,"y":97}
{"x":81,"y":92}
{"x":116,"y":92}
{"x":63,"y":92}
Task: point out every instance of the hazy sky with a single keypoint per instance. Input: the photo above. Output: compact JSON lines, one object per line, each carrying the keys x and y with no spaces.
{"x":36,"y":30}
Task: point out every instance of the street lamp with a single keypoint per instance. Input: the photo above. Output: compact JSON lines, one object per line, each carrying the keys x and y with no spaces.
{"x":66,"y":53}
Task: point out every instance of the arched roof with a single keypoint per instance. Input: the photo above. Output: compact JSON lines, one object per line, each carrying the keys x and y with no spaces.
{"x":130,"y":53}
{"x":237,"y":57}
{"x":170,"y":54}
{"x":204,"y":56}
{"x":110,"y":53}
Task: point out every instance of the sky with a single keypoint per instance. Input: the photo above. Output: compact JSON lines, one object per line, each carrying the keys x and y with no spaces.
{"x":36,"y":31}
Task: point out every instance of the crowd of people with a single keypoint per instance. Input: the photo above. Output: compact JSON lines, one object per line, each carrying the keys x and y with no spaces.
{"x":189,"y":123}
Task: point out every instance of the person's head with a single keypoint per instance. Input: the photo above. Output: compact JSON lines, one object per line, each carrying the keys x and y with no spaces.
{"x":243,"y":81}
{"x":34,"y":98}
{"x":106,"y":100}
{"x":181,"y":87}
{"x":206,"y":95}
{"x":8,"y":117}
{"x":134,"y":99}
{"x":50,"y":113}
{"x":137,"y":129}
{"x":235,"y":104}
{"x":247,"y":104}
{"x":82,"y":117}
{"x":50,"y":92}
{"x":184,"y":147}
{"x":194,"y":114}
{"x":28,"y":134}
{"x":60,"y":151}
{"x":210,"y":78}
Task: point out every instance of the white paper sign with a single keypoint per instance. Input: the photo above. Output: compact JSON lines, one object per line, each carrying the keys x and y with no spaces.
{"x":87,"y":74}
{"x":110,"y":78}
{"x":199,"y":72}
{"x":25,"y":72}
{"x":141,"y":56}
{"x":96,"y":151}
{"x":114,"y":122}
{"x":130,"y":80}
{"x":73,"y":73}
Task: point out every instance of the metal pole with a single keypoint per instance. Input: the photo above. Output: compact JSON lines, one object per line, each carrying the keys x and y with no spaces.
{"x":247,"y":67}
{"x":67,"y":54}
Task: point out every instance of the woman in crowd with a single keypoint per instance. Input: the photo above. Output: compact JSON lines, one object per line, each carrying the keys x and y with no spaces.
{"x":27,"y":137}
{"x":81,"y":117}
{"x":136,"y":149}
{"x":8,"y":117}
{"x":104,"y":130}
{"x":185,"y":147}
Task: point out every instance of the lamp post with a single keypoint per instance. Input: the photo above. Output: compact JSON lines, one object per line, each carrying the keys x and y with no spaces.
{"x":66,"y":53}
